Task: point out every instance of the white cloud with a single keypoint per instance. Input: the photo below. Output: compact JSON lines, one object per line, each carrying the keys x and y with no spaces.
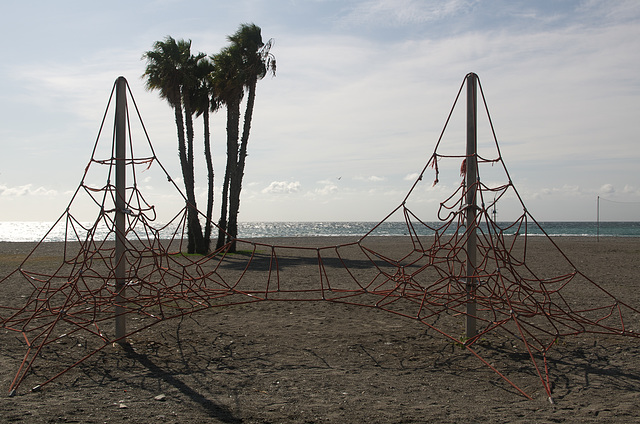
{"x":607,"y":189}
{"x":397,"y":13}
{"x":607,"y":11}
{"x":372,"y":179}
{"x":327,"y":189}
{"x":26,"y":190}
{"x":279,"y":187}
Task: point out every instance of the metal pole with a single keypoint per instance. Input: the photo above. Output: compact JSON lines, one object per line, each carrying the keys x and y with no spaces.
{"x":598,"y":219}
{"x":120,"y":218}
{"x":471,"y":184}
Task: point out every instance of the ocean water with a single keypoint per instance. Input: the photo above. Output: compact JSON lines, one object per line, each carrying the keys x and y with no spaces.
{"x":35,"y":231}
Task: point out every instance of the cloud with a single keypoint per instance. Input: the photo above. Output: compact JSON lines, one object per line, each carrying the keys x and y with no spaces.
{"x":607,"y":188}
{"x":329,"y":188}
{"x":282,"y":187}
{"x":395,"y":13}
{"x":607,"y":11}
{"x":411,"y":177}
{"x":372,"y":178}
{"x":26,"y":190}
{"x":628,"y":191}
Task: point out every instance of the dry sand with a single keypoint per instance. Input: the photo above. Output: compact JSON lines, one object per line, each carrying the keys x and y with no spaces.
{"x":297,"y":362}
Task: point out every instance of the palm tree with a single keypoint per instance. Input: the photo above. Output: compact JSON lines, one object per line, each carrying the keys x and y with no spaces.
{"x":170,"y":70}
{"x":245,"y":61}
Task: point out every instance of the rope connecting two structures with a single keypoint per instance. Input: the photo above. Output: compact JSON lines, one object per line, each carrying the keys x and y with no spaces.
{"x":428,"y":283}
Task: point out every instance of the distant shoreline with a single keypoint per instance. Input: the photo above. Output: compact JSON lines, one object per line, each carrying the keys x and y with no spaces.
{"x":35,"y":231}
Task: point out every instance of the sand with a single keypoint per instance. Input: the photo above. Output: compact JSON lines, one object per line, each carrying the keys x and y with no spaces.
{"x":293,"y":362}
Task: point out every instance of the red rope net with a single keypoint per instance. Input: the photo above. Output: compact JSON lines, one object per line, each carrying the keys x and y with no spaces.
{"x":515,"y":294}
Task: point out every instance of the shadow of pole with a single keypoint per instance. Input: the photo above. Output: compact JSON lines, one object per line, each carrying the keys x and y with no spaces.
{"x":219,"y":412}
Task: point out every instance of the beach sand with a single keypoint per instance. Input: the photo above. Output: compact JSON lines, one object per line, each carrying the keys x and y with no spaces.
{"x":297,"y":362}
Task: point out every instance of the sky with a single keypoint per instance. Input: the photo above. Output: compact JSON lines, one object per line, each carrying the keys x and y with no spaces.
{"x":362,"y":91}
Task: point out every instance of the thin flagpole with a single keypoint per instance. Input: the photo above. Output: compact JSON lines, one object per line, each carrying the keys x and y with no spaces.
{"x":120,"y":218}
{"x":472,"y":183}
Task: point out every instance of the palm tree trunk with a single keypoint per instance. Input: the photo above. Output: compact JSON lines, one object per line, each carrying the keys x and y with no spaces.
{"x":194,"y":230}
{"x":236,"y":185}
{"x":233,"y":119}
{"x":182,"y":153}
{"x":234,"y":205}
{"x":222,"y":222}
{"x":200,"y":246}
{"x":210,"y":175}
{"x":188,"y":113}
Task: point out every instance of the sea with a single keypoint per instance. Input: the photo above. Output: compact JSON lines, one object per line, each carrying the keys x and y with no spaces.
{"x":35,"y":231}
